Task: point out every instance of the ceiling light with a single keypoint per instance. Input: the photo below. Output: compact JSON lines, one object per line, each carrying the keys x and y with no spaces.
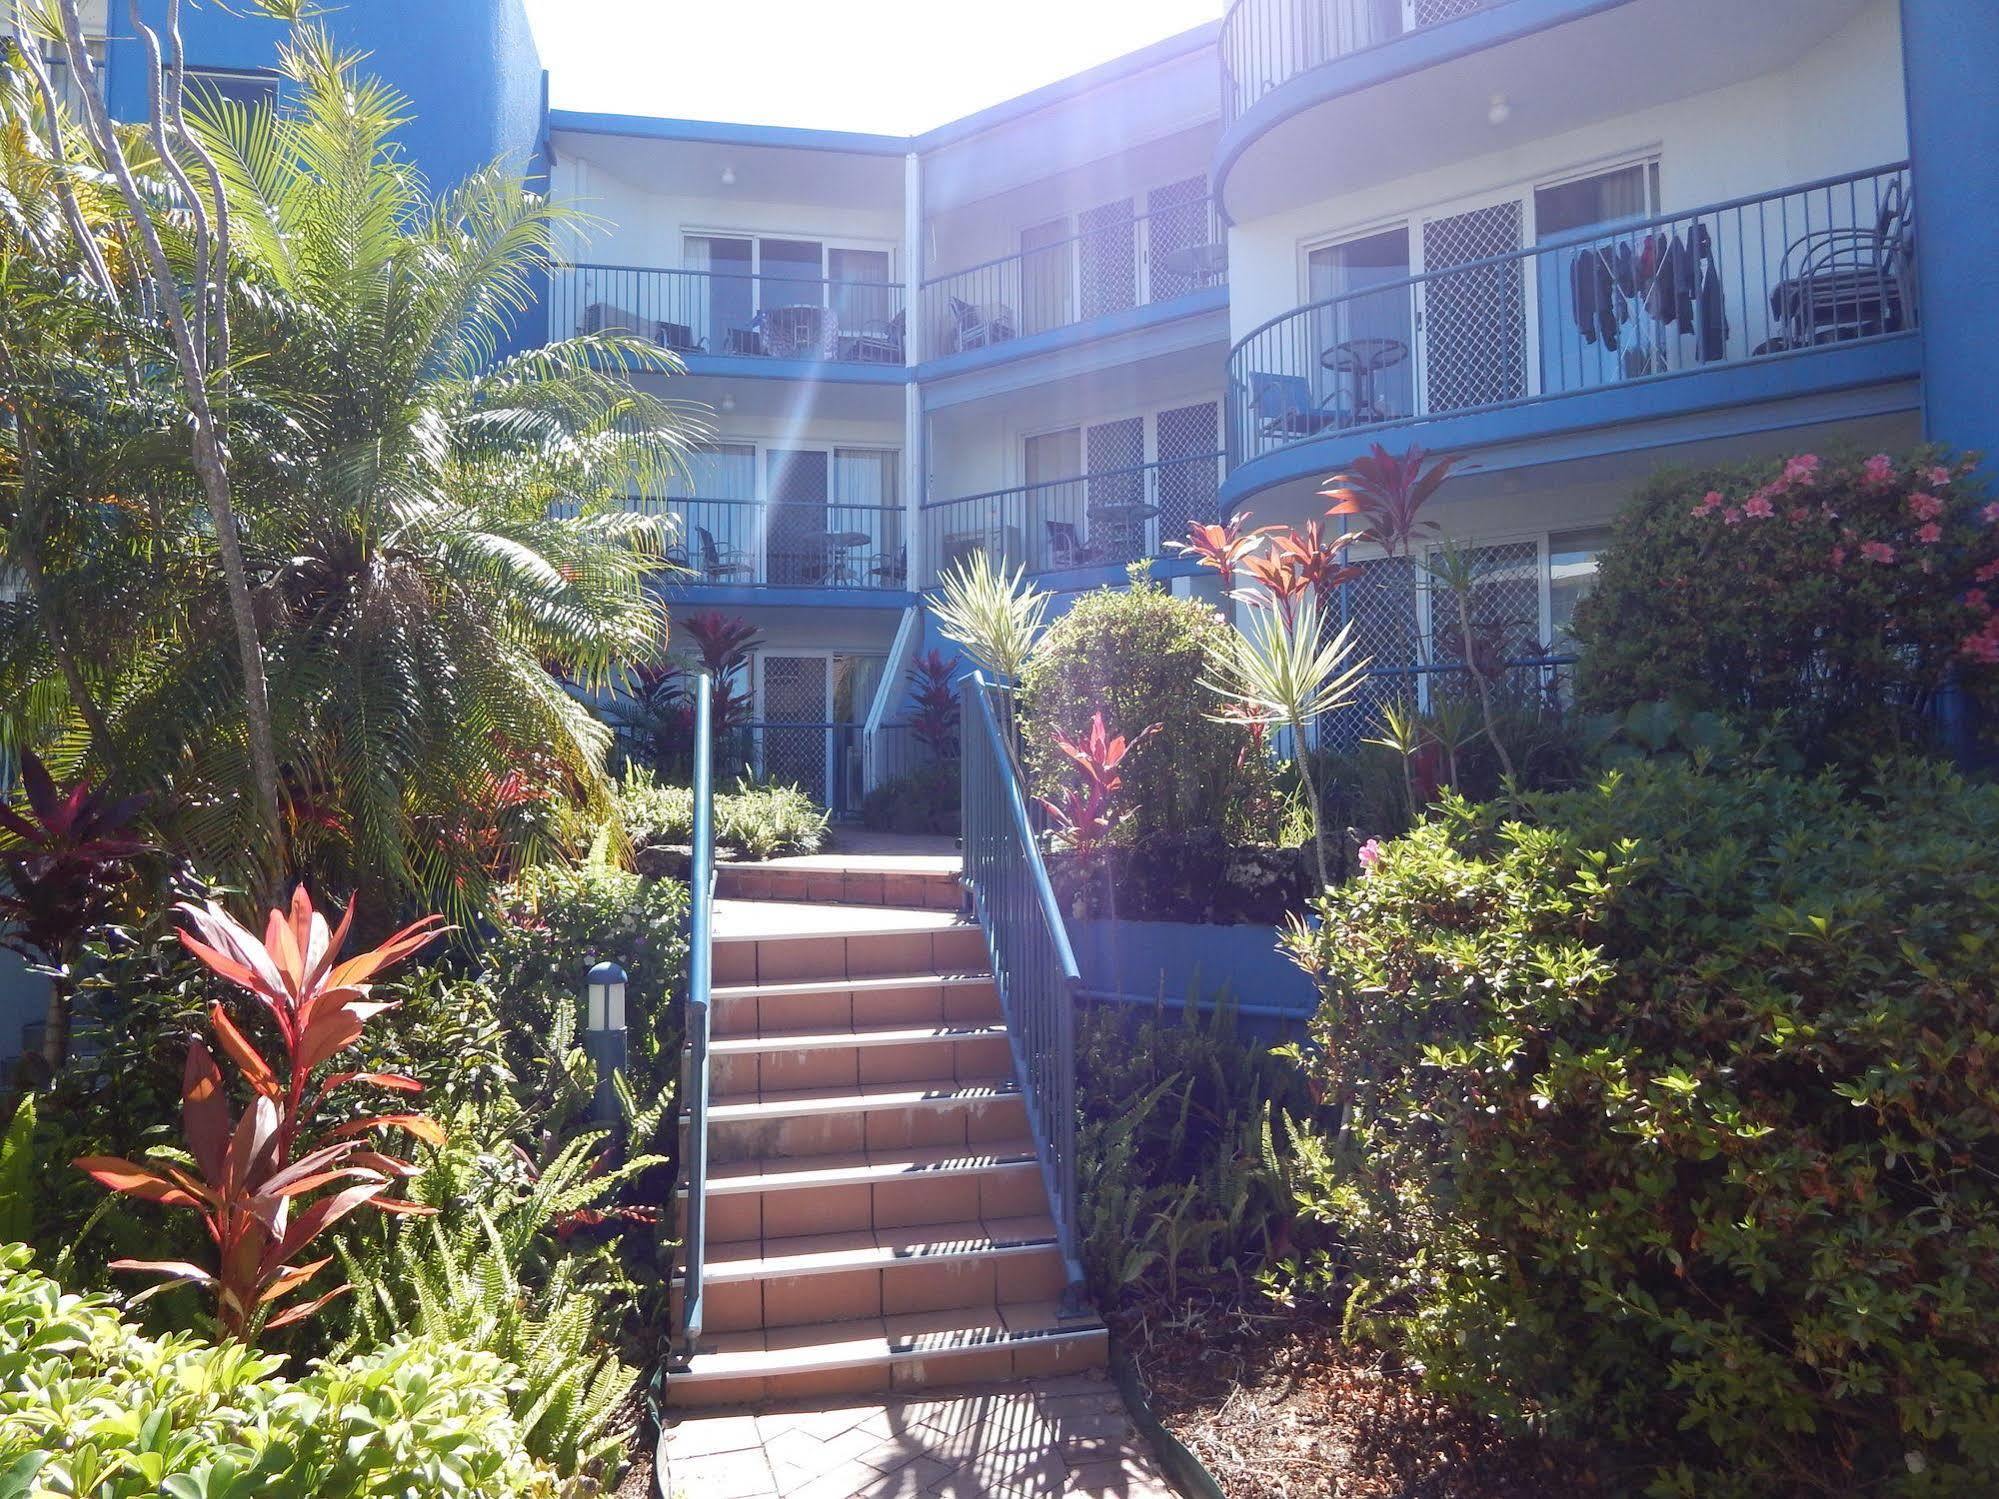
{"x":1499,"y":112}
{"x":728,"y":176}
{"x":727,"y":403}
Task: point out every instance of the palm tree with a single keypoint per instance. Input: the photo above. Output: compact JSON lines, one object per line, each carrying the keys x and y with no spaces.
{"x":431,"y":522}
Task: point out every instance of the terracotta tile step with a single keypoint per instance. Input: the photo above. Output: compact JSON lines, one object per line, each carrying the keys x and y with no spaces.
{"x":1008,"y":1341}
{"x":858,"y":1036}
{"x":862,"y":1249}
{"x":957,"y":979}
{"x":870,"y":1189}
{"x":894,"y":945}
{"x":869,"y":1098}
{"x":868,"y":1167}
{"x":937,"y":890}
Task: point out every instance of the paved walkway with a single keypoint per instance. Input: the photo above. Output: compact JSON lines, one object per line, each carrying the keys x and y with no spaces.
{"x":1049,"y":1437}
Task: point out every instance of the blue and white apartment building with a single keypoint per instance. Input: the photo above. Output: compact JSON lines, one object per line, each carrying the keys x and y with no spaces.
{"x":1566,"y":240}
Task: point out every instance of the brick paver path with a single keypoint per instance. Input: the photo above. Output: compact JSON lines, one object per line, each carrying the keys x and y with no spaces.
{"x":1064,"y":1436}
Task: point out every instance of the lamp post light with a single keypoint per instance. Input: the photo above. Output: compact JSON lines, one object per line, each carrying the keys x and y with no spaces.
{"x":604,"y":1032}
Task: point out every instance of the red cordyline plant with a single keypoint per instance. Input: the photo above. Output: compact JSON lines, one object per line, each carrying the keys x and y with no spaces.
{"x":252,"y":1173}
{"x":1224,"y":548}
{"x":1388,"y":492}
{"x":72,"y":848}
{"x":1086,"y":813}
{"x":935,"y":721}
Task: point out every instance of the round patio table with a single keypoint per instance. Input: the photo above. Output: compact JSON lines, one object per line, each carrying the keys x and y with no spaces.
{"x":840,"y":546}
{"x":1364,"y":358}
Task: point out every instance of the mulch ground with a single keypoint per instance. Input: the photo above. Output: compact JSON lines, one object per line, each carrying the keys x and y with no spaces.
{"x":1277,"y":1406}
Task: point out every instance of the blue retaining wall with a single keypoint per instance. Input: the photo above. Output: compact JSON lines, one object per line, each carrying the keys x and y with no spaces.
{"x":1136,"y":962}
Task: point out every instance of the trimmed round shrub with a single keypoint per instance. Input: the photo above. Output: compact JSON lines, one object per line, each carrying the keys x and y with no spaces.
{"x":1839,"y":594}
{"x":1137,"y":655}
{"x":1674,"y":1120}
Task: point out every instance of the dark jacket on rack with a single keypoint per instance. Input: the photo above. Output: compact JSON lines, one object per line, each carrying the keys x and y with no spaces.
{"x":1601,"y":292}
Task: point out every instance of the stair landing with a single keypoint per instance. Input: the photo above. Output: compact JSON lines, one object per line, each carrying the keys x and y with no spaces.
{"x":877,"y":1219}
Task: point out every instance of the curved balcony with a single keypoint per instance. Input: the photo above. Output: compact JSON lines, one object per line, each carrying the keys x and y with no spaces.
{"x":1265,"y":44}
{"x":1792,"y":293}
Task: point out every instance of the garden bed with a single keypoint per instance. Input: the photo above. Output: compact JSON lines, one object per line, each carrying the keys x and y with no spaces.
{"x":1276,"y":1405}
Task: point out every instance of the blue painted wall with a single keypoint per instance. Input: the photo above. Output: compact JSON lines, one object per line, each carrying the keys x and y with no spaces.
{"x":468,"y":67}
{"x":1950,"y":52}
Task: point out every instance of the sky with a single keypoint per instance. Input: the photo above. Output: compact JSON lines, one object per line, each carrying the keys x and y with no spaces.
{"x":893,"y":66}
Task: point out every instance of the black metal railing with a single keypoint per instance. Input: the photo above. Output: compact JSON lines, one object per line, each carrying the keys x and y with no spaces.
{"x":1108,"y":518}
{"x":1537,"y":680}
{"x":788,"y":545}
{"x":1031,"y":958}
{"x":694,"y":1054}
{"x":1758,"y":277}
{"x":734,"y":313}
{"x":1127,"y":260}
{"x":1266,"y":43}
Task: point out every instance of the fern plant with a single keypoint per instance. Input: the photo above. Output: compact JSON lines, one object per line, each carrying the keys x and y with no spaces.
{"x":490,"y":1272}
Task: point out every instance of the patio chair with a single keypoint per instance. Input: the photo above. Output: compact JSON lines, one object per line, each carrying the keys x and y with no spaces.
{"x":875,"y":343}
{"x":1285,"y":407}
{"x":977,"y":327}
{"x":892,"y":572}
{"x":718,"y":564}
{"x":802,"y":332}
{"x":1065,"y":547}
{"x":1840,"y":284}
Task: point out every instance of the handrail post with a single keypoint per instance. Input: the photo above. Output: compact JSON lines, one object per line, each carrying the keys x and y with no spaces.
{"x":694,"y":1069}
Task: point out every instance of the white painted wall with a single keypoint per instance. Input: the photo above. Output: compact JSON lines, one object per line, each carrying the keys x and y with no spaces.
{"x":1838,"y":108}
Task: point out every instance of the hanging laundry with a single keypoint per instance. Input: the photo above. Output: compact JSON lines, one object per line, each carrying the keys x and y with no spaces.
{"x":1709,"y":309}
{"x":1600,"y":300}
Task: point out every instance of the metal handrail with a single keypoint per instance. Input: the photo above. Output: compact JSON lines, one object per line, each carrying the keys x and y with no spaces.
{"x":1033,"y":964}
{"x":1751,"y":236}
{"x":694,"y":1055}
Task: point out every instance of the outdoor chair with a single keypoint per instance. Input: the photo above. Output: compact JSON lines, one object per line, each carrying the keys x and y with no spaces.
{"x":875,"y":343}
{"x":892,"y":572}
{"x":1065,"y":547}
{"x":976,"y":327}
{"x":802,"y":332}
{"x":719,"y":564}
{"x":1285,"y":407}
{"x":1840,"y":284}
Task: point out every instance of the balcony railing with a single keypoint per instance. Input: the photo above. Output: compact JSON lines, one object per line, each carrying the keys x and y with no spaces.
{"x":1117,"y":261}
{"x":787,"y":545}
{"x":1266,"y":43}
{"x":1102,"y":519}
{"x":731,"y":313}
{"x":1829,"y":262}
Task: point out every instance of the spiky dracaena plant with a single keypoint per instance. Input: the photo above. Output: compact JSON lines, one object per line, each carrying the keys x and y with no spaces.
{"x":996,"y":616}
{"x":1281,"y":669}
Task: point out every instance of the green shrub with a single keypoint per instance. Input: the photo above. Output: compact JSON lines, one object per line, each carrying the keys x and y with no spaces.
{"x":1182,"y":1174}
{"x":1674,"y":1118}
{"x":559,"y":920}
{"x":927,"y":800}
{"x":1838,"y":594}
{"x":1137,"y":655}
{"x":760,"y":821}
{"x":88,"y":1405}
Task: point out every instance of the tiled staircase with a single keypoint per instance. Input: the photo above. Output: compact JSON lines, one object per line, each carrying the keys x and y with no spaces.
{"x":876,"y":1216}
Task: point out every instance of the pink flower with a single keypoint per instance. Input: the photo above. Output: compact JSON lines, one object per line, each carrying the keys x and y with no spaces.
{"x":1989,"y":572}
{"x":1925,"y":506}
{"x":1982,"y":647}
{"x":1799,"y":515}
{"x":1990,"y":514}
{"x":1878,"y":471}
{"x":1877,"y":551}
{"x":1977,"y":599}
{"x":1731,"y":517}
{"x":1930,"y":535}
{"x":1710,"y":502}
{"x":1370,"y":855}
{"x":1802,"y":469}
{"x":1938,"y":476}
{"x":1758,"y":507}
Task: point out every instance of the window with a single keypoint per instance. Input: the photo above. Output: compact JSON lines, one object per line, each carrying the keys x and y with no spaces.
{"x":1571,"y":574}
{"x":249,"y":88}
{"x":1361,"y":343}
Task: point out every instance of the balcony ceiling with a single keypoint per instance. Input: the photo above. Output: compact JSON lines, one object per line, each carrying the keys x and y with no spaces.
{"x":763,"y":174}
{"x":1612,"y":63}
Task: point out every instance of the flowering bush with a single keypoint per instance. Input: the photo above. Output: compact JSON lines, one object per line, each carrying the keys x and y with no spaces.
{"x":1841,"y":594}
{"x":557,"y":921}
{"x":1671,"y":1117}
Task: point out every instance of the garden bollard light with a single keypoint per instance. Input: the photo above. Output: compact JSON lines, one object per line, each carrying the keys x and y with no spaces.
{"x":604,"y":1033}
